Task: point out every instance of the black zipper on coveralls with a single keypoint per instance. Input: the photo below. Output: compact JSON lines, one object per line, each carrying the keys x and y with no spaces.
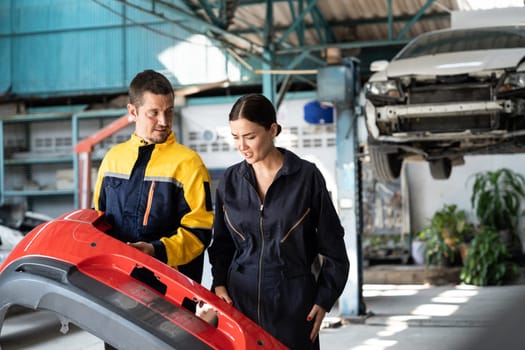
{"x":261,"y":208}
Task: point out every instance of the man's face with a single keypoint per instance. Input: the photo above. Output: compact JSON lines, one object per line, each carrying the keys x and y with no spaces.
{"x":154,"y":118}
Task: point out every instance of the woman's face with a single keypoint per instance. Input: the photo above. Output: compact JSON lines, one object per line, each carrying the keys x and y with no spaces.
{"x":154,"y":118}
{"x":252,"y":140}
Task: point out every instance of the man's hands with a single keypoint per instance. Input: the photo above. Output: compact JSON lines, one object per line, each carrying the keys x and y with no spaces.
{"x":144,"y":247}
{"x":317,"y":314}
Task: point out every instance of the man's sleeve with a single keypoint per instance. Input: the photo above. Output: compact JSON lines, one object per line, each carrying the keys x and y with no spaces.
{"x":335,"y":268}
{"x":99,"y":202}
{"x":194,"y":233}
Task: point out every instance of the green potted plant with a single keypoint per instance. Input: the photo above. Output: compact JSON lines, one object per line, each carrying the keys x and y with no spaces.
{"x":447,"y":236}
{"x":497,"y":197}
{"x":488,"y":261}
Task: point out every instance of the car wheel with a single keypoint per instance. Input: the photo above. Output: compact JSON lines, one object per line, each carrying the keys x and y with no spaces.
{"x":386,"y":166}
{"x":440,"y":169}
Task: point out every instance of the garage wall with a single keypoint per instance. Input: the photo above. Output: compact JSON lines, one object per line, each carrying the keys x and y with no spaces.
{"x":69,"y":47}
{"x":205,"y":129}
{"x":428,"y":195}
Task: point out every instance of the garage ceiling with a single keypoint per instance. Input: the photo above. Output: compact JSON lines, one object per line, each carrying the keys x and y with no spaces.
{"x":292,"y":26}
{"x":294,"y":35}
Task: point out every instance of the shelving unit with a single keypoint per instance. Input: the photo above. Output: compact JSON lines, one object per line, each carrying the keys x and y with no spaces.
{"x":40,"y":147}
{"x":104,"y":118}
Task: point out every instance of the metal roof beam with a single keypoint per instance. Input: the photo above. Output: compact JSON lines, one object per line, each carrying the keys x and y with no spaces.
{"x":357,"y":22}
{"x":208,"y":8}
{"x":414,"y":19}
{"x":259,"y":31}
{"x":346,"y":45}
{"x":256,"y":2}
{"x":182,"y":11}
{"x":268,"y":25}
{"x":390,"y":21}
{"x":321,"y":21}
{"x":297,"y":22}
{"x":299,"y":31}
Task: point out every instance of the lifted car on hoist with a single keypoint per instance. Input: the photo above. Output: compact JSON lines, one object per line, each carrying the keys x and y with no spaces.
{"x":447,"y":94}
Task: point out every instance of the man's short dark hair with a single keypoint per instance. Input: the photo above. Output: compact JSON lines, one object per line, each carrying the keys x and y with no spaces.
{"x":148,"y":80}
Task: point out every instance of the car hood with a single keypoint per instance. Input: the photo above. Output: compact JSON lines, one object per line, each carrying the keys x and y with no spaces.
{"x":456,"y":63}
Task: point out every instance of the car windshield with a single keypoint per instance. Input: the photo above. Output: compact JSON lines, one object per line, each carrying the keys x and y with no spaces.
{"x":465,"y":40}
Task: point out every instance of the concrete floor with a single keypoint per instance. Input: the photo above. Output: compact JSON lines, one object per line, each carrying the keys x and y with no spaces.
{"x":41,"y":330}
{"x":399,"y":317}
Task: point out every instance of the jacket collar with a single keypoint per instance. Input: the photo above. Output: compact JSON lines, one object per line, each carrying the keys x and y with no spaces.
{"x":291,"y":164}
{"x":139,"y":141}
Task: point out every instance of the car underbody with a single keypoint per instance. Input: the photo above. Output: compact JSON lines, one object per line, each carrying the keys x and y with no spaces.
{"x":447,"y":94}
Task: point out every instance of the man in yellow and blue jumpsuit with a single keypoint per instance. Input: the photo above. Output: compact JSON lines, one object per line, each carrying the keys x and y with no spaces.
{"x":154,"y":191}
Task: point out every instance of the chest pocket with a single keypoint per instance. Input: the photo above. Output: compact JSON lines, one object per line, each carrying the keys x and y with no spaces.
{"x":236,"y":231}
{"x":113,"y":193}
{"x":294,"y":227}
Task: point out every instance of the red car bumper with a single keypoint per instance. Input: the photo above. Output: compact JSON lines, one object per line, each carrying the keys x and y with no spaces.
{"x":70,"y":266}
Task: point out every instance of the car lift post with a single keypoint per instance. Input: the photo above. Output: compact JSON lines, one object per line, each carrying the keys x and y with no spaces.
{"x":339,"y":85}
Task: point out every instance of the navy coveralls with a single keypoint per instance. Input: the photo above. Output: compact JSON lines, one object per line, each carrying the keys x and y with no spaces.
{"x":263,"y":252}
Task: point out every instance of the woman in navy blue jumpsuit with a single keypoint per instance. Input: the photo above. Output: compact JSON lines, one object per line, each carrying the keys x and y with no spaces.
{"x":273,"y":218}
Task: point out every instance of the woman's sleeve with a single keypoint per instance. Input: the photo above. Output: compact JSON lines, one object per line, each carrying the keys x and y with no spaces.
{"x":222,"y":247}
{"x":330,"y":237}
